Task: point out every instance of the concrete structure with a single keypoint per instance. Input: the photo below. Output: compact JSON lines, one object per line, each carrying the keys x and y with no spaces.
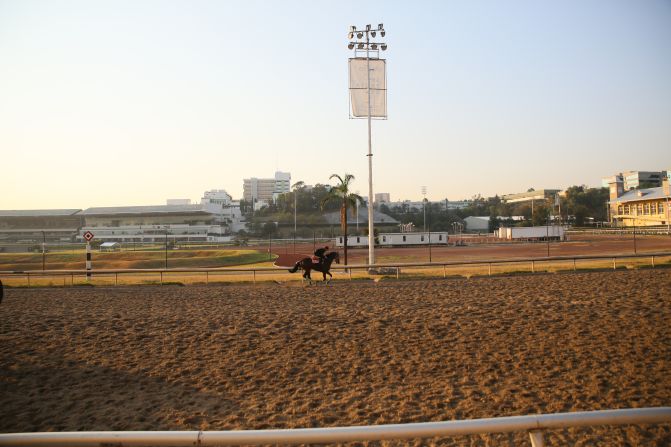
{"x":529,"y":196}
{"x":639,"y":207}
{"x":634,"y":179}
{"x":255,"y":189}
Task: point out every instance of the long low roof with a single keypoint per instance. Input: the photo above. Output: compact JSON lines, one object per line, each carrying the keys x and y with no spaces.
{"x":152,"y":209}
{"x":38,"y":213}
{"x":637,"y":195}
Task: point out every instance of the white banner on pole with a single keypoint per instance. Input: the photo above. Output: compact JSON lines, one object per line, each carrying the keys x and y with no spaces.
{"x":358,"y":87}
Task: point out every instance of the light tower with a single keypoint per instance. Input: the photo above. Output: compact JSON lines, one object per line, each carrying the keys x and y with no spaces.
{"x":368,"y":97}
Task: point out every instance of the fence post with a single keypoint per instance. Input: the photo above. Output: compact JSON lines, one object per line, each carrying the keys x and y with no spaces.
{"x":161,"y":277}
{"x":116,"y":278}
{"x":533,"y":267}
{"x":490,"y":269}
{"x":28,"y":277}
{"x":350,"y":273}
{"x":398,"y":270}
{"x":254,"y":276}
{"x":536,"y":438}
{"x":653,"y":261}
{"x":207,"y":277}
{"x":574,"y":264}
{"x":613,"y":263}
{"x":444,"y":271}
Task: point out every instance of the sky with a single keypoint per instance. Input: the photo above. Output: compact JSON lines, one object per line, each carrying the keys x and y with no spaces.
{"x":134,"y":102}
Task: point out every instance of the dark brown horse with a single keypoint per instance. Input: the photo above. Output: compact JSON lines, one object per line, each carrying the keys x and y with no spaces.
{"x":307,"y":265}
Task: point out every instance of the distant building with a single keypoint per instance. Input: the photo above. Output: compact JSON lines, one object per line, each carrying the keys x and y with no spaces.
{"x":150,"y":223}
{"x":382,"y":197}
{"x":39,"y":225}
{"x":216,"y":197}
{"x":541,"y":194}
{"x":635,"y":179}
{"x":639,"y":207}
{"x":178,"y":202}
{"x":267,"y":189}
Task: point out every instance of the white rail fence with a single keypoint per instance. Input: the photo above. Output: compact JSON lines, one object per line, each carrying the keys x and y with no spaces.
{"x":533,"y":424}
{"x":392,"y":268}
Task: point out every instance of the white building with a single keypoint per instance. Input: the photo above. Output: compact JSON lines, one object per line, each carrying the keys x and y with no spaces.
{"x":227,"y":211}
{"x":256,"y":189}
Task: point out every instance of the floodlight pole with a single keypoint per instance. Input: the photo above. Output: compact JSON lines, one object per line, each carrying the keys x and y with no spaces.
{"x":371,"y":231}
{"x":359,"y":33}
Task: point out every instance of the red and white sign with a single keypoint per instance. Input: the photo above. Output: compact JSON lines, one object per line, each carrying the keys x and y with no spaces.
{"x":88,"y":236}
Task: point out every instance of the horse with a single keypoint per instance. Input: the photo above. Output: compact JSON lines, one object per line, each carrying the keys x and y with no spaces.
{"x":307,"y":265}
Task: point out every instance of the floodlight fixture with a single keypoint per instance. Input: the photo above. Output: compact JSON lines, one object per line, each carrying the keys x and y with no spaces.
{"x":350,"y":35}
{"x":352,"y":28}
{"x":350,"y":45}
{"x":359,"y":35}
{"x":380,"y":26}
{"x":372,"y":33}
{"x":367,"y":27}
{"x":382,"y":33}
{"x":373,"y":46}
{"x":360,"y":46}
{"x":383,"y":46}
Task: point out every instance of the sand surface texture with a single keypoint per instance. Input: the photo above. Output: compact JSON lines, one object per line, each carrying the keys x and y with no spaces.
{"x":281,"y":356}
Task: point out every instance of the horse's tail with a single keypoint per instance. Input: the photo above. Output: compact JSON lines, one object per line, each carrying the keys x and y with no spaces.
{"x":295,"y":268}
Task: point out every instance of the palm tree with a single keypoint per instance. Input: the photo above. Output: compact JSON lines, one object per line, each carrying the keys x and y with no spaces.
{"x":341,"y":193}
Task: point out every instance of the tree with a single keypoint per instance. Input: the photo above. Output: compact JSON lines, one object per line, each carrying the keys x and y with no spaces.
{"x":341,"y":193}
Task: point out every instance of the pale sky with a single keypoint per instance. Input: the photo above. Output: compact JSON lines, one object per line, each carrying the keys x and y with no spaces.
{"x":133,"y":102}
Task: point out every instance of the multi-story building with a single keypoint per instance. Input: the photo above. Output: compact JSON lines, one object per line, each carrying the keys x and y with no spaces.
{"x":636,"y":179}
{"x":266,"y":189}
{"x":382,"y":197}
{"x":639,"y":207}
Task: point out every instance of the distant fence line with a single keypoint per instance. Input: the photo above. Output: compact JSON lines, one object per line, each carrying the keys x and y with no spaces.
{"x":387,"y":268}
{"x":532,"y":424}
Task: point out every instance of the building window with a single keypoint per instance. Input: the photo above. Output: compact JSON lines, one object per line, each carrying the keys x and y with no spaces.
{"x":341,"y":239}
{"x":440,"y":237}
{"x":358,"y":239}
{"x":384,"y":238}
{"x":660,"y":208}
{"x":627,"y":210}
{"x":646,"y":208}
{"x":639,"y":209}
{"x":403,"y":238}
{"x":620,"y":209}
{"x":422,"y":239}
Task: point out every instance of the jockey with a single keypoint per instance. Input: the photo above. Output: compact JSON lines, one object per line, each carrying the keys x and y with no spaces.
{"x":320,"y":252}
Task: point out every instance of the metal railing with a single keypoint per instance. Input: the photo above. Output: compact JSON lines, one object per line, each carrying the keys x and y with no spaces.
{"x":533,"y":424}
{"x":387,"y":268}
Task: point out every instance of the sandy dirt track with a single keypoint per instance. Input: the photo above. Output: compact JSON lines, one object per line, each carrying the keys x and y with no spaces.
{"x":280,"y":356}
